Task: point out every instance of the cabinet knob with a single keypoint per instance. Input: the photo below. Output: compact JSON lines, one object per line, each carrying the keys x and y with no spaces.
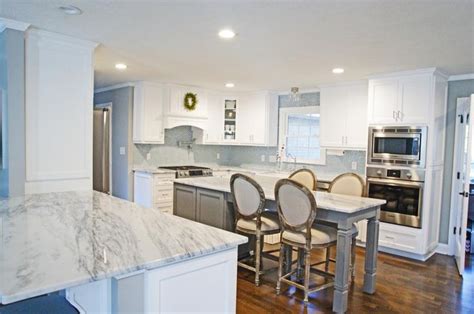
{"x":379,"y":172}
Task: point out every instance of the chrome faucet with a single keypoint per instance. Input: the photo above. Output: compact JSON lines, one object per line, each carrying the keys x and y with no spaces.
{"x":294,"y":160}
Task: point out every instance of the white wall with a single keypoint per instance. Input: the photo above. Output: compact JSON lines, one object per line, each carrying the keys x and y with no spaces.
{"x":59,"y":93}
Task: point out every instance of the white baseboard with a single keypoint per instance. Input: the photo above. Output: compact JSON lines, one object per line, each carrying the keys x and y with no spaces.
{"x":443,"y":249}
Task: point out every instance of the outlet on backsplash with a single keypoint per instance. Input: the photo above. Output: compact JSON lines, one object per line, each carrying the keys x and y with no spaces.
{"x":262,"y":158}
{"x":218,"y":156}
{"x":148,"y":156}
{"x":354,"y":165}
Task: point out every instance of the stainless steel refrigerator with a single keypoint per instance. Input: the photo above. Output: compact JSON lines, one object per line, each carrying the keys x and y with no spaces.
{"x":101,"y":150}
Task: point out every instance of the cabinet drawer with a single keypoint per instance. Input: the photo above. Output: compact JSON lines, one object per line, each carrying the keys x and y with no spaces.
{"x":162,"y":195}
{"x":166,"y":207}
{"x":163,"y":185}
{"x":392,"y":239}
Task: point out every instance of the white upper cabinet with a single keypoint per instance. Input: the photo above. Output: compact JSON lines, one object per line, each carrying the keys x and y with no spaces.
{"x":401,"y":99}
{"x":344,"y":116}
{"x":414,"y":98}
{"x":148,"y":113}
{"x":252,"y":121}
{"x":383,"y":100}
{"x":213,"y":134}
{"x":242,"y":119}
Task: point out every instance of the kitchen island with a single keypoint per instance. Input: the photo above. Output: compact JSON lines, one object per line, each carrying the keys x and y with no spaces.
{"x":110,"y":255}
{"x":209,"y":200}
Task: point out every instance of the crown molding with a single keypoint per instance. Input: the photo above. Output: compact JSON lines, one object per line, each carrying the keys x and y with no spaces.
{"x":461,"y":77}
{"x":433,"y":71}
{"x":116,"y":86}
{"x":39,"y":33}
{"x":12,"y":24}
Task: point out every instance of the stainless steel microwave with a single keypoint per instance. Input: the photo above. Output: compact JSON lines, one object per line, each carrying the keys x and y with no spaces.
{"x":397,"y":145}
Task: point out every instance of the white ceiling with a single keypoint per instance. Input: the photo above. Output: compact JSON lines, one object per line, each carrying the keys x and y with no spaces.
{"x":279,"y":44}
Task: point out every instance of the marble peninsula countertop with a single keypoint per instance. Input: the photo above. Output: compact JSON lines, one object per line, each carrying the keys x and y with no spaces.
{"x":328,"y":201}
{"x":49,"y":242}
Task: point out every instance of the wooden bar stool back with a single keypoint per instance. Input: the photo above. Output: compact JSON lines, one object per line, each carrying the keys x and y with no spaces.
{"x":296,"y":207}
{"x":306,"y":177}
{"x":249,"y":203}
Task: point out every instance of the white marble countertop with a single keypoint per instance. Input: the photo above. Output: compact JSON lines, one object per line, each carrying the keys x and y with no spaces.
{"x":153,"y":170}
{"x":324,"y":200}
{"x":322,"y":176}
{"x":53,"y":241}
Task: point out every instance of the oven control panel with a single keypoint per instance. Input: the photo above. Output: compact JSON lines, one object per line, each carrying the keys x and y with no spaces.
{"x":394,"y":173}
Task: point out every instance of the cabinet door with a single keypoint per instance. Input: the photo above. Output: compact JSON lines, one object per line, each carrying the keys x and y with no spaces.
{"x":148,"y":113}
{"x":143,"y":189}
{"x":252,"y":119}
{"x":356,"y":116}
{"x":383,"y":101}
{"x":185,"y":201}
{"x":210,"y":207}
{"x":415,"y":99}
{"x":153,"y":110}
{"x":333,"y":116}
{"x":215,"y":123}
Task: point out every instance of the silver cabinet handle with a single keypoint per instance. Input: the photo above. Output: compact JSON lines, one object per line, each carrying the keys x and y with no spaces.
{"x":342,"y":140}
{"x":399,"y":115}
{"x":394,"y":115}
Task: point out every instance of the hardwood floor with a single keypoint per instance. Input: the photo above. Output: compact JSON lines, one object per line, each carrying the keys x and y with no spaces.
{"x":403,"y":286}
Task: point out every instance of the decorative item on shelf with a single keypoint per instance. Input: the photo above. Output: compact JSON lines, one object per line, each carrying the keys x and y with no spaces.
{"x":294,"y":94}
{"x":190,"y":101}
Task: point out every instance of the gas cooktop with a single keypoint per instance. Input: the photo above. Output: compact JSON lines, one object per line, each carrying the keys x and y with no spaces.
{"x":189,"y":171}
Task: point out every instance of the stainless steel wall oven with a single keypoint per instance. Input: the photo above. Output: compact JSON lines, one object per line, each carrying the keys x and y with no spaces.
{"x":403,"y":191}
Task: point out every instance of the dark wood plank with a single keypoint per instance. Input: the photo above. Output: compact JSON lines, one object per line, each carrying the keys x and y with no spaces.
{"x":403,"y":286}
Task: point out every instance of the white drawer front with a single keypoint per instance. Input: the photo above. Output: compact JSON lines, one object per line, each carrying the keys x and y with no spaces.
{"x":395,"y":240}
{"x":163,"y":196}
{"x":165,"y":207}
{"x":163,"y":185}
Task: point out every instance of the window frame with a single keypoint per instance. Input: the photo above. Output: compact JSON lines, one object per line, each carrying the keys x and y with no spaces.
{"x":283,"y":133}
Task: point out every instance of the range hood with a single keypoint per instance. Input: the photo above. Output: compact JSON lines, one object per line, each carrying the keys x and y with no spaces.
{"x":176,"y":114}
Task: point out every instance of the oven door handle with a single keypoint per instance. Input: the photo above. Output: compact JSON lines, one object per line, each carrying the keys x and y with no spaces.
{"x":392,"y":182}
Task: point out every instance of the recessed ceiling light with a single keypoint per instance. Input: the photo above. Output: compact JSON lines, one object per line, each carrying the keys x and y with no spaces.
{"x":120,"y":66}
{"x":229,"y":85}
{"x":70,"y":10}
{"x":338,"y":70}
{"x":226,"y":33}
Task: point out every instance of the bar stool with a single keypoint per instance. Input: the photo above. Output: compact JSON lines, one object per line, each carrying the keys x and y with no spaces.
{"x":306,"y":177}
{"x":296,"y":207}
{"x":349,"y":184}
{"x":249,"y":203}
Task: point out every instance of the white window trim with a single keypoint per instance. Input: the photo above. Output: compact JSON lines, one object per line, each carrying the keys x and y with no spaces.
{"x":283,"y":128}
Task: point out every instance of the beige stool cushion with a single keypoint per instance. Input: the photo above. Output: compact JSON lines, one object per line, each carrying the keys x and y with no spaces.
{"x":320,"y":235}
{"x":269,"y":223}
{"x":304,"y":178}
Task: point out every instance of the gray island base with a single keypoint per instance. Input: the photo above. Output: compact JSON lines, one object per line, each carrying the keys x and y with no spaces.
{"x":209,"y":200}
{"x":110,"y":255}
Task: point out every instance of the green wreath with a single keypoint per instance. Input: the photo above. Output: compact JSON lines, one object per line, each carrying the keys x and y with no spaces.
{"x":190,"y":101}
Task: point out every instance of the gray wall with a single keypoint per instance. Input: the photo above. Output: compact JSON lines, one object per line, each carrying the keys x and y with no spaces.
{"x":12,"y":84}
{"x":456,"y":89}
{"x":122,"y":175}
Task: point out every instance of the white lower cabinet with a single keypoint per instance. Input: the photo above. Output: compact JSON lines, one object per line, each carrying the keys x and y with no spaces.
{"x":154,"y":190}
{"x":206,"y":284}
